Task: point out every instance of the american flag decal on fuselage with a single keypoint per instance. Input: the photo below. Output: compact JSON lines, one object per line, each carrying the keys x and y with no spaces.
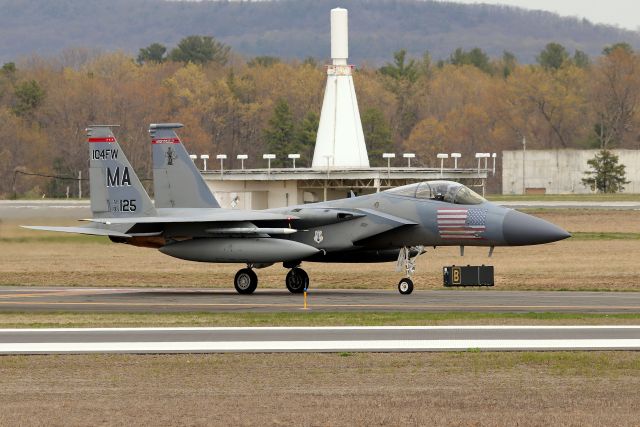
{"x":461,"y":224}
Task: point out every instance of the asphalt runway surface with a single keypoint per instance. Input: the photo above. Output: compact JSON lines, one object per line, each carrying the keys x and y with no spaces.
{"x":318,"y":339}
{"x":158,"y":300}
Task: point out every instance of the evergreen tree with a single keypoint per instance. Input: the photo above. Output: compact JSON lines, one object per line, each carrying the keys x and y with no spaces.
{"x":9,"y":68}
{"x":402,"y":76}
{"x":377,"y":135}
{"x":553,"y":56}
{"x":152,"y":53}
{"x":29,"y":95}
{"x":279,"y":135}
{"x":622,"y":45}
{"x":200,"y":50}
{"x":476,"y":57}
{"x":581,"y":59}
{"x":607,"y":175}
{"x":306,"y":137}
{"x":509,"y":63}
{"x":401,"y":69}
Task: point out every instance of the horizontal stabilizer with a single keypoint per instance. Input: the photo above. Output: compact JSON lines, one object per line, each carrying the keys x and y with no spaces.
{"x":78,"y":230}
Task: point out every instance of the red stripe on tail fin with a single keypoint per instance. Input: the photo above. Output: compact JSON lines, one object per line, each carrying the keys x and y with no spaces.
{"x":108,"y":139}
{"x":165,"y":141}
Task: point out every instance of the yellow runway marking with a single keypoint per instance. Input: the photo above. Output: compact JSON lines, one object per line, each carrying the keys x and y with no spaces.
{"x":399,"y":306}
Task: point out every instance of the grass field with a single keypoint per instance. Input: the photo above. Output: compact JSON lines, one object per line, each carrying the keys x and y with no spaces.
{"x":603,"y":256}
{"x":87,"y":320}
{"x":466,"y":388}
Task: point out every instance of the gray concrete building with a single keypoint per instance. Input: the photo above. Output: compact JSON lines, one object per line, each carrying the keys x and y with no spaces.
{"x":559,"y":171}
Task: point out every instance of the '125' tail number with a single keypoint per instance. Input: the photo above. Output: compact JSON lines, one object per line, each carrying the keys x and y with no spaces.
{"x":126,"y":205}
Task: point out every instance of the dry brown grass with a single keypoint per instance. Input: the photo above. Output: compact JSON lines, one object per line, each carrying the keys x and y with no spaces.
{"x":29,"y":258}
{"x":578,"y":389}
{"x":592,"y":220}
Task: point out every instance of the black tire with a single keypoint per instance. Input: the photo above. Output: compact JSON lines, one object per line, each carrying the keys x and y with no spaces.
{"x":297,"y":280}
{"x":246,"y":281}
{"x":405,"y":287}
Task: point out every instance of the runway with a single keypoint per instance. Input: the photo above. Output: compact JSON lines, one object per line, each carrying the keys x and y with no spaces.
{"x":318,"y":339}
{"x":158,"y":300}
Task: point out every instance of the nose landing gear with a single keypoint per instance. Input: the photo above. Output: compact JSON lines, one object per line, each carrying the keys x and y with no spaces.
{"x":407,"y":262}
{"x":405,"y":287}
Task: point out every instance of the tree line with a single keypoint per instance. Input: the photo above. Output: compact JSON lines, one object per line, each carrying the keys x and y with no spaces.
{"x":295,"y":28}
{"x":229,"y":104}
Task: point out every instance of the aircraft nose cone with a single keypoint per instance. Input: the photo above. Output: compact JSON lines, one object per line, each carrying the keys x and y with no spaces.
{"x":521,"y":229}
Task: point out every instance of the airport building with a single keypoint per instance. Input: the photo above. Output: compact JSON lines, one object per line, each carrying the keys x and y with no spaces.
{"x":559,"y":171}
{"x":340,"y":162}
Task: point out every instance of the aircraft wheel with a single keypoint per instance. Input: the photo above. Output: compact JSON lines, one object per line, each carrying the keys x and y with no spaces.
{"x":246,"y":281}
{"x":297,"y":280}
{"x":405,"y":287}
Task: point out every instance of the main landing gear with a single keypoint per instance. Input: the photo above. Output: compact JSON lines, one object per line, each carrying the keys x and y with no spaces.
{"x":407,"y":262}
{"x":246,"y":281}
{"x":297,"y":280}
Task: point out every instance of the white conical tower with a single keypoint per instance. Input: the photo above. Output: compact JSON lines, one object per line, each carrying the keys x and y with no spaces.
{"x":340,"y":141}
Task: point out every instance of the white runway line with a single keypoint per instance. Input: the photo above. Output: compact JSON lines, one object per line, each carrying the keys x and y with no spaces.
{"x":319,"y":346}
{"x":322,"y":328}
{"x":150,"y":340}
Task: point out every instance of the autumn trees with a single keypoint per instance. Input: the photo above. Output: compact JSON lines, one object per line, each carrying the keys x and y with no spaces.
{"x":466,"y":103}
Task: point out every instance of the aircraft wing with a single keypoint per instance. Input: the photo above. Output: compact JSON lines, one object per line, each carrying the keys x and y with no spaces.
{"x":79,"y":230}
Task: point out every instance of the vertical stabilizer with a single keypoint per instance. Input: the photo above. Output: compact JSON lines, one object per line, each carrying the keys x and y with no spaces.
{"x":177,"y":182}
{"x":115,"y":188}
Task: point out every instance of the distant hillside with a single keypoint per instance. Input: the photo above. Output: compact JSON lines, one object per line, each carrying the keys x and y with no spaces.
{"x":294,"y":28}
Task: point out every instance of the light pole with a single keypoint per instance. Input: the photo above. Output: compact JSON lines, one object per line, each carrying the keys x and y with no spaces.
{"x":409,"y":156}
{"x":204,"y":157}
{"x":388,"y":156}
{"x":486,"y":160}
{"x":242,"y":158}
{"x":222,"y":158}
{"x":328,"y":157}
{"x":326,"y":181}
{"x":294,"y":157}
{"x":442,"y":156}
{"x":268,"y":158}
{"x":524,"y":156}
{"x":455,"y":157}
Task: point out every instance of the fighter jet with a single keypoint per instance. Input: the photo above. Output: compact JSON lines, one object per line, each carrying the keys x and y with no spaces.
{"x":188,"y":223}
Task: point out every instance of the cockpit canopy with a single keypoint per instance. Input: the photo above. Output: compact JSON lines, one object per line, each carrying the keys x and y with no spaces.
{"x":445,"y":191}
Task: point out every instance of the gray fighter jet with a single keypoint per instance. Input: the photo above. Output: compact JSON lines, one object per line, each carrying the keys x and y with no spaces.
{"x":188,"y":223}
